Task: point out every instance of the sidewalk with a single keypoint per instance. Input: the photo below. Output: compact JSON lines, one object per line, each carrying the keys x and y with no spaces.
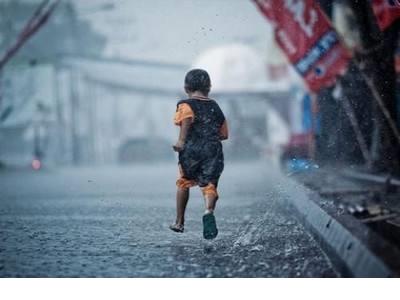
{"x":355,"y":217}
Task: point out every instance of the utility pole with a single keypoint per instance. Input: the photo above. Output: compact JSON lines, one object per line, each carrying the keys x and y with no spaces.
{"x":74,"y":93}
{"x":74,"y":117}
{"x":60,"y":115}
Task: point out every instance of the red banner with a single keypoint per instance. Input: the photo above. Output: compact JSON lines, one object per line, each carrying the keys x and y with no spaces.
{"x":386,"y":12}
{"x":309,"y":41}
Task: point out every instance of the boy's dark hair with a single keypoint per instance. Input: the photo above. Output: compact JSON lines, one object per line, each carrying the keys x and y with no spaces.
{"x":197,"y":80}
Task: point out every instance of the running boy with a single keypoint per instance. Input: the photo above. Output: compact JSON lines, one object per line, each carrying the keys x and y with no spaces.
{"x":201,"y":160}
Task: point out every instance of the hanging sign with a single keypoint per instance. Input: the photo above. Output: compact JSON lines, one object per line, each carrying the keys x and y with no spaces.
{"x":308,"y":39}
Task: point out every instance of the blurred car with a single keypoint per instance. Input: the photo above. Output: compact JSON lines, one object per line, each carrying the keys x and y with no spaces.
{"x":298,"y":146}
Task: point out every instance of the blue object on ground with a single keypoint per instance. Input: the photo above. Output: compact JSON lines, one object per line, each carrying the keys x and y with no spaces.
{"x":300,"y":165}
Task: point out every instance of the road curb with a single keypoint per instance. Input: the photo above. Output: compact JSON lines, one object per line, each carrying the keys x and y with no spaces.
{"x":349,"y":253}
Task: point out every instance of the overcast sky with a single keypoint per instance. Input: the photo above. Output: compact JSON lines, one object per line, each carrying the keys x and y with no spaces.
{"x":175,"y":30}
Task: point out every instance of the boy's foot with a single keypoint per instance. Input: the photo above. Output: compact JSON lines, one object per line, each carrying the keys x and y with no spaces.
{"x":177,"y":228}
{"x":210,"y":230}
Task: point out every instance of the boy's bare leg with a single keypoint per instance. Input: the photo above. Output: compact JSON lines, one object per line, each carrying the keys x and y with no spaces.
{"x":182,"y":197}
{"x":210,"y":202}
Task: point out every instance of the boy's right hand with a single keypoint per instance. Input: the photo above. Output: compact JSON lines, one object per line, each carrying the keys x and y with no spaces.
{"x":178,"y":147}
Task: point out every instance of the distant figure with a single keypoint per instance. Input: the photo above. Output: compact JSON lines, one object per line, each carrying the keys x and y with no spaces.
{"x":201,"y":160}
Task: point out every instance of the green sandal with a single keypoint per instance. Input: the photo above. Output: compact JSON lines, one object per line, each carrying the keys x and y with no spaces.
{"x":210,"y":230}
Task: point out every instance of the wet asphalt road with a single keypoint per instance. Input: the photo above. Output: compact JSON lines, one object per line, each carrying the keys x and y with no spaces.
{"x":113,"y":222}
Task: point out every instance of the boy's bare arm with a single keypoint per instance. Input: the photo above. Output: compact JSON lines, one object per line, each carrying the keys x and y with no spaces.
{"x":223,"y":134}
{"x":223,"y":137}
{"x":184,"y":129}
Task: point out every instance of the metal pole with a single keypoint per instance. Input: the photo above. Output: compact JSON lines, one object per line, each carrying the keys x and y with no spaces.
{"x":382,"y":106}
{"x":357,"y":131}
{"x":360,"y":138}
